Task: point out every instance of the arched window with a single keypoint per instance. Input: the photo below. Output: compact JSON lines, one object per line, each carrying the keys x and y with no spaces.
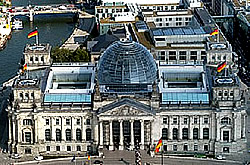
{"x":195,"y":133}
{"x":185,"y":133}
{"x":205,"y":133}
{"x":78,"y":135}
{"x":175,"y":133}
{"x":47,"y":135}
{"x":225,"y":120}
{"x":88,"y":134}
{"x":58,"y":135}
{"x":68,"y":135}
{"x":164,"y":133}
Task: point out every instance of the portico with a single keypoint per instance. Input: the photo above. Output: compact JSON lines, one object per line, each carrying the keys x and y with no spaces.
{"x":124,"y":126}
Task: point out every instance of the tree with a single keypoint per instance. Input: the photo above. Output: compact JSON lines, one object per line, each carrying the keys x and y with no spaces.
{"x":66,"y":55}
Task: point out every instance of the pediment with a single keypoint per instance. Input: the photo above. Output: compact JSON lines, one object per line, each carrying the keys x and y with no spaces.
{"x":126,"y":107}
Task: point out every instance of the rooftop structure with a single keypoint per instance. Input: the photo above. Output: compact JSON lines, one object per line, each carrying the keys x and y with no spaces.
{"x":37,"y":55}
{"x":126,"y":65}
{"x":185,"y":84}
{"x":70,"y":83}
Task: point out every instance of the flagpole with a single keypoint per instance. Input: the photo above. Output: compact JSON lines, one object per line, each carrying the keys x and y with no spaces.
{"x":162,"y":153}
{"x":36,"y":38}
{"x":218,"y":36}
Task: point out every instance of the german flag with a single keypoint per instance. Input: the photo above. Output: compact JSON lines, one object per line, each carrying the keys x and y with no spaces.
{"x":25,"y":67}
{"x":159,"y":144}
{"x":216,"y":31}
{"x":33,"y":33}
{"x":221,"y":66}
{"x":88,"y":157}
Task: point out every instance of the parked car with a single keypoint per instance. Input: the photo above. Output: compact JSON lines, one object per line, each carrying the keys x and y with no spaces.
{"x":99,"y":162}
{"x":16,"y":156}
{"x":220,"y":157}
{"x":38,"y":158}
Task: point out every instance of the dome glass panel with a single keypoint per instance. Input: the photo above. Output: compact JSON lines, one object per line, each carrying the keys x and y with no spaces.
{"x":126,"y":63}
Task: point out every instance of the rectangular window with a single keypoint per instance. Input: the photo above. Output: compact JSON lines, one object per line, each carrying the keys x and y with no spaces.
{"x":57,"y":148}
{"x":182,"y":53}
{"x":185,"y":120}
{"x":205,"y":147}
{"x":172,"y":53}
{"x":195,"y":134}
{"x":165,"y":147}
{"x":68,"y":148}
{"x":196,"y":147}
{"x":182,"y":57}
{"x":175,"y":120}
{"x":78,"y":148}
{"x":57,"y":121}
{"x":175,"y":147}
{"x":205,"y":133}
{"x":165,"y":120}
{"x":193,"y":58}
{"x":67,"y":121}
{"x":47,"y":121}
{"x":172,"y":57}
{"x":27,"y":151}
{"x":185,"y":147}
{"x":193,"y":53}
{"x":78,"y":121}
{"x":28,"y":137}
{"x":195,"y":120}
{"x":226,"y":136}
{"x":47,"y":148}
{"x":88,"y":121}
{"x":205,"y":120}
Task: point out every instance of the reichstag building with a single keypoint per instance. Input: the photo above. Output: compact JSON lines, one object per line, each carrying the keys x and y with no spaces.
{"x":127,"y":99}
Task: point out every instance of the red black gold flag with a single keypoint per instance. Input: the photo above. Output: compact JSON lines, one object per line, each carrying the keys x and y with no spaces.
{"x":33,"y":33}
{"x":221,"y":66}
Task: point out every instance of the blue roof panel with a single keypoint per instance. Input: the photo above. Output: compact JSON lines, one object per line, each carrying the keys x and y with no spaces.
{"x":68,"y":98}
{"x":185,"y":98}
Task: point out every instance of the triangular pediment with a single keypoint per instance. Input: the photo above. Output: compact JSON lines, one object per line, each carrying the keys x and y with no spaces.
{"x":126,"y":107}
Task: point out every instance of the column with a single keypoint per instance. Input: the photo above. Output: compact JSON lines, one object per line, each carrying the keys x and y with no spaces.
{"x":121,"y":136}
{"x":243,"y":126}
{"x":101,"y":134}
{"x":111,"y":144}
{"x":235,"y":126}
{"x":142,"y":134}
{"x":132,"y":144}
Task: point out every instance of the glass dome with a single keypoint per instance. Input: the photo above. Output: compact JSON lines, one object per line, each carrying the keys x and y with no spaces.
{"x":126,"y":63}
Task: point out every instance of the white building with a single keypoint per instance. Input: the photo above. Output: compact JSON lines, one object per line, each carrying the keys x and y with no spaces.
{"x":129,"y":99}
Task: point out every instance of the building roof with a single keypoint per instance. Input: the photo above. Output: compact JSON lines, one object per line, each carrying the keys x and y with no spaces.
{"x":86,"y":24}
{"x":126,"y":63}
{"x":178,"y":31}
{"x":103,"y":41}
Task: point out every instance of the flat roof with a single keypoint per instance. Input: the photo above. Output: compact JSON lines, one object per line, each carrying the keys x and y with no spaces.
{"x":177,"y":31}
{"x":70,"y":82}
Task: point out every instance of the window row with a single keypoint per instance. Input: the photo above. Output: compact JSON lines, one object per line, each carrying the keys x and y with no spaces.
{"x":26,"y":96}
{"x":68,"y":135}
{"x":225,"y":93}
{"x":186,"y":120}
{"x":32,"y":59}
{"x":185,"y":148}
{"x":185,"y":134}
{"x":58,"y":148}
{"x":68,"y":121}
